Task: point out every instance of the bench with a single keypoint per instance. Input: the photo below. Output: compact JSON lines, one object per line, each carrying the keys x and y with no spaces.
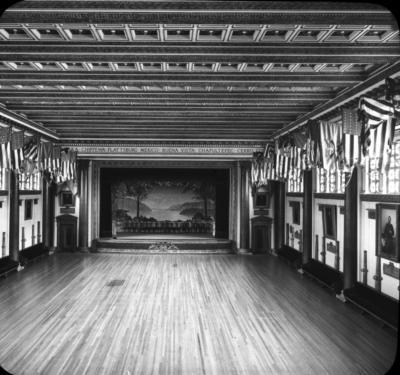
{"x":7,"y":265}
{"x":290,"y":255}
{"x":382,"y":307}
{"x":32,"y":252}
{"x":325,"y":275}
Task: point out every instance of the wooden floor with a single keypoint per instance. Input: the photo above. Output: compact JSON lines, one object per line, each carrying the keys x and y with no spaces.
{"x":181,"y":314}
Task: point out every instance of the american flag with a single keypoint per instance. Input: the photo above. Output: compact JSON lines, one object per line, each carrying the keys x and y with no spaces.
{"x":56,"y":157}
{"x":378,"y":129}
{"x":47,"y":156}
{"x":351,"y":137}
{"x":17,"y":146}
{"x":331,"y":140}
{"x":313,"y":146}
{"x":31,"y":155}
{"x":5,"y":157}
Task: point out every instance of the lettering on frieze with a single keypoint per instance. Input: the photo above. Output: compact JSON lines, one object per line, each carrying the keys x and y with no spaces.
{"x":165,"y":150}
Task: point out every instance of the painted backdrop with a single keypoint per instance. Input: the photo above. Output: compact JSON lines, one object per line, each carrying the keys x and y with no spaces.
{"x":163,"y":203}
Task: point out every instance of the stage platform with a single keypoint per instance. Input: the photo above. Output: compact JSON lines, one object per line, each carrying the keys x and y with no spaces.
{"x":164,"y":243}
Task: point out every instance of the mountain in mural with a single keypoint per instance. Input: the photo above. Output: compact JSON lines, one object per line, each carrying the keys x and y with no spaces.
{"x":198,"y":205}
{"x":191,"y":208}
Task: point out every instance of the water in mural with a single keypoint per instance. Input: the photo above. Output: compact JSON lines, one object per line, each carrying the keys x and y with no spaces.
{"x":163,"y":205}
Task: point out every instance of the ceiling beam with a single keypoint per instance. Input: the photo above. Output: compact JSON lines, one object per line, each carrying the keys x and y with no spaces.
{"x":114,"y":96}
{"x":184,"y":79}
{"x":200,"y":53}
{"x":187,"y":12}
{"x":161,"y":110}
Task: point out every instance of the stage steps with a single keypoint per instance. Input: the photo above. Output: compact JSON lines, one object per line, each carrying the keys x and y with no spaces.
{"x":159,"y":246}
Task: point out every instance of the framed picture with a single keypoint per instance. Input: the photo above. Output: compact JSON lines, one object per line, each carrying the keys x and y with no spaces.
{"x":329,"y":220}
{"x":387,"y":231}
{"x":66,"y":199}
{"x":262,"y":198}
{"x":28,"y":209}
{"x":295,"y":211}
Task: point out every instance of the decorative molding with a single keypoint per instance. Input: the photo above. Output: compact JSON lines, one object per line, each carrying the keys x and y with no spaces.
{"x":391,"y":270}
{"x":67,"y":210}
{"x":386,"y":198}
{"x":262,"y":211}
{"x":295,"y":195}
{"x":329,"y":196}
{"x":163,"y":246}
{"x":29,"y":192}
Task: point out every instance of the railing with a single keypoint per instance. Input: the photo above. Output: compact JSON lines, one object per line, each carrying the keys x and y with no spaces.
{"x":166,"y":227}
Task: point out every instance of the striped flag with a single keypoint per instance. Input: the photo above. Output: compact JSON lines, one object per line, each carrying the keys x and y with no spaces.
{"x":73,"y":158}
{"x":314,"y":147}
{"x":331,"y":139}
{"x":5,"y":149}
{"x":56,"y":157}
{"x":351,"y":137}
{"x":17,"y":148}
{"x":378,"y":129}
{"x":47,"y":156}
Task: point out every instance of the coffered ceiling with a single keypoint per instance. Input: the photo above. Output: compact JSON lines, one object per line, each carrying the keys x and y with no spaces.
{"x":186,"y":70}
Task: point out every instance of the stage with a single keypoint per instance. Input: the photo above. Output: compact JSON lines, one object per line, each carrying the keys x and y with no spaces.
{"x":164,"y":243}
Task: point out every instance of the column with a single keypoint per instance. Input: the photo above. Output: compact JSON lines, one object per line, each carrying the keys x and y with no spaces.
{"x":14,"y":217}
{"x":308,"y":179}
{"x":244,"y":205}
{"x":48,"y":214}
{"x":350,"y":231}
{"x":279,"y":214}
{"x":83,"y":205}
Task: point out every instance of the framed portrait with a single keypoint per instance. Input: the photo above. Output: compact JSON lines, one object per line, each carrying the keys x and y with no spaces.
{"x":262,"y":198}
{"x":329,"y":220}
{"x":67,"y":199}
{"x":295,"y":211}
{"x":28,"y":209}
{"x":387,"y":231}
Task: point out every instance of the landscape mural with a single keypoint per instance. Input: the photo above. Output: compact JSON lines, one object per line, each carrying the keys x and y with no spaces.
{"x":163,"y":204}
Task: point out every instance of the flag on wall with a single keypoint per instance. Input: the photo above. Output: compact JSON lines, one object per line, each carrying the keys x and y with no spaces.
{"x":47,"y":156}
{"x":17,"y":148}
{"x":351,"y":137}
{"x":30,"y":150}
{"x":378,"y":129}
{"x":5,"y":150}
{"x":331,"y":140}
{"x":313,"y":146}
{"x":56,"y":157}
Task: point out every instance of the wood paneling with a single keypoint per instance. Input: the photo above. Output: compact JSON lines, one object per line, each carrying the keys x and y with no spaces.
{"x":181,"y":314}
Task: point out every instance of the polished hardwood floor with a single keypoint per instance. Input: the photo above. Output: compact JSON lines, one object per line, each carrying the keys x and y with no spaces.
{"x":181,"y":314}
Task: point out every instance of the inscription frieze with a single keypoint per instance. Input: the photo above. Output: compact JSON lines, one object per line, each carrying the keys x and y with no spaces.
{"x":165,"y":150}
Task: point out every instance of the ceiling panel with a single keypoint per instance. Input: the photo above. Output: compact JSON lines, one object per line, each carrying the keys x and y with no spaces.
{"x":178,"y":70}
